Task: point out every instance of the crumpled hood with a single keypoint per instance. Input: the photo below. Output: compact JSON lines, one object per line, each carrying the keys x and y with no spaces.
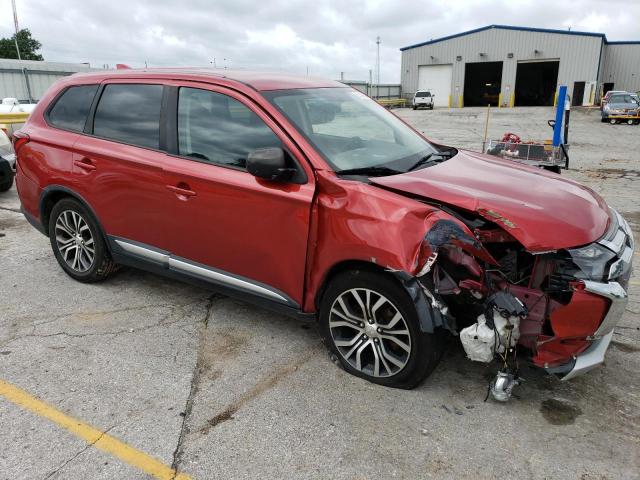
{"x":542,"y":210}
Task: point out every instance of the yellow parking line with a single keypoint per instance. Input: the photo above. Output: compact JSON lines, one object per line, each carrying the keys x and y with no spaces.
{"x":92,"y":436}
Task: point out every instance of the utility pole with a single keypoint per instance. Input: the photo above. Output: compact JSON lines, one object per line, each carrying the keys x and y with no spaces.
{"x":377,"y":65}
{"x":15,"y":23}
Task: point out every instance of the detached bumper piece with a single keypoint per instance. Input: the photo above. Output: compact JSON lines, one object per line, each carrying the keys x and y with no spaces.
{"x":619,"y":240}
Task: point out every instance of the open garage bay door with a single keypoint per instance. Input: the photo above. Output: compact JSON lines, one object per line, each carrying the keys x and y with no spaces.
{"x":482,"y":82}
{"x":536,"y":83}
{"x":436,"y":79}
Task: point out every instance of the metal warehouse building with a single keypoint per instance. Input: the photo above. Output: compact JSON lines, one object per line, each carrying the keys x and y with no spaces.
{"x":27,"y":80}
{"x":505,"y":65}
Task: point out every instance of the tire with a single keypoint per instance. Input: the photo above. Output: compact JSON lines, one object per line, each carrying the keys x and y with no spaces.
{"x":7,"y":184}
{"x":430,"y":107}
{"x":414,"y":107}
{"x":356,"y":335}
{"x":613,"y":121}
{"x":73,"y":232}
{"x":604,"y":119}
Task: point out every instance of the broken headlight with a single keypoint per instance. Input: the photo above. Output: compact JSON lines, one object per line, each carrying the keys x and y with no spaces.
{"x":592,"y":260}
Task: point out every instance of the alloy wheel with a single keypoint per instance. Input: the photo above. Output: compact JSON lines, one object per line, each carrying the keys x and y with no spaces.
{"x":369,"y":332}
{"x":74,"y":241}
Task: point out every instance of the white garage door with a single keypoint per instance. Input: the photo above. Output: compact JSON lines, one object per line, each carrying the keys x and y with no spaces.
{"x":437,"y":79}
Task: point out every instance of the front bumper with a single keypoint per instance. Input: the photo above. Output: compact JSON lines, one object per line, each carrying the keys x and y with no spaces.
{"x":594,"y":355}
{"x":620,"y":241}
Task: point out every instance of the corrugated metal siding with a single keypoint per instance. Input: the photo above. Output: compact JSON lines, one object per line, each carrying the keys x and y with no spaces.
{"x":622,"y":66}
{"x":13,"y":84}
{"x":578,"y":55}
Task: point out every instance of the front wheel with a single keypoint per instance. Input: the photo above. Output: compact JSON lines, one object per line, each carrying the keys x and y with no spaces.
{"x":371,"y":325}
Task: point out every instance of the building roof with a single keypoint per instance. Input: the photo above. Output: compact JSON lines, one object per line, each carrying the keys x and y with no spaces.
{"x":260,"y":81}
{"x":522,"y":29}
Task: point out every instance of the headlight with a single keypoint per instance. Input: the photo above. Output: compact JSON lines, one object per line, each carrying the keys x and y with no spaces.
{"x":592,"y":260}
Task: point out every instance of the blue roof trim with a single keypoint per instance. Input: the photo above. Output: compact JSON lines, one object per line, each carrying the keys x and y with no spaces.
{"x":632,"y":42}
{"x":522,"y":29}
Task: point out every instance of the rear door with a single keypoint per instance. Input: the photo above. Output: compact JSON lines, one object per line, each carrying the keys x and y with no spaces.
{"x":225,"y":224}
{"x":118,"y":165}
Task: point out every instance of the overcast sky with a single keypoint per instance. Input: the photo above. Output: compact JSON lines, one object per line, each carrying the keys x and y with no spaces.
{"x":325,"y":37}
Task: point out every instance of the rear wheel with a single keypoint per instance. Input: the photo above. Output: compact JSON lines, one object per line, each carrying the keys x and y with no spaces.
{"x":370,"y":323}
{"x":613,"y":121}
{"x":414,"y":107}
{"x":77,"y":242}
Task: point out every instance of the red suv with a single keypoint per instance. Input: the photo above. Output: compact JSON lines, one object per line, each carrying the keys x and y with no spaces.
{"x":307,"y":197}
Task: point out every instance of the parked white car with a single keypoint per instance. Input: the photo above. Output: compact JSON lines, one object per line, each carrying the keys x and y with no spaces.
{"x":423,"y":98}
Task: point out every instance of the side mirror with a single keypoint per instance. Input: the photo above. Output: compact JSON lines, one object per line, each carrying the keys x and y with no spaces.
{"x":270,"y":164}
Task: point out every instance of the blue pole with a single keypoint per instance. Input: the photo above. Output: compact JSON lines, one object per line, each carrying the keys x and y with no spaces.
{"x":557,"y":129}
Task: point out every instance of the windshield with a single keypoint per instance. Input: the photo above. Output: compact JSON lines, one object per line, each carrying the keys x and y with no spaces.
{"x":621,"y":99}
{"x":350,"y":130}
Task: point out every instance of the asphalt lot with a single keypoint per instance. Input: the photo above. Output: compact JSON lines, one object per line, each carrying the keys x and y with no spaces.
{"x":221,"y":389}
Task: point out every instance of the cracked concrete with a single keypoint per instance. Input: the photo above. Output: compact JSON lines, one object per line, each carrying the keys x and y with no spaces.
{"x":55,"y":472}
{"x":195,"y":381}
{"x":219,"y":389}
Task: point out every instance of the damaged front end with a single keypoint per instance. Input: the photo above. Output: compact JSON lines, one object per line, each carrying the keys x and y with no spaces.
{"x":561,"y":306}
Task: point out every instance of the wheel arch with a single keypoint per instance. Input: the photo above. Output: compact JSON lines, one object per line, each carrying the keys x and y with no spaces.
{"x":429,"y":316}
{"x":52,"y":194}
{"x":345,"y":266}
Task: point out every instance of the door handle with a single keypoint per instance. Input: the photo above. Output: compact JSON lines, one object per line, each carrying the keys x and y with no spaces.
{"x":182,"y":190}
{"x":85,"y":164}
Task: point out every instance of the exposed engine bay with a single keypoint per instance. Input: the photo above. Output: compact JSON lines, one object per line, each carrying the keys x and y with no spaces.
{"x":500,"y":298}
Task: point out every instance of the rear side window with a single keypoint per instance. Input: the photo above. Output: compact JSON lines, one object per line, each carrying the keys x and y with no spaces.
{"x":130,"y":114}
{"x":219,"y":129}
{"x":423,"y":94}
{"x":71,"y":110}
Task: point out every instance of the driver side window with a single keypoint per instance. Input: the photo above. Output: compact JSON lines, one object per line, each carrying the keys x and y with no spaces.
{"x":216,"y":128}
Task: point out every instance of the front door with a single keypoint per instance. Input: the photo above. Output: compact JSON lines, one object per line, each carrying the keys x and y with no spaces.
{"x":224,"y":224}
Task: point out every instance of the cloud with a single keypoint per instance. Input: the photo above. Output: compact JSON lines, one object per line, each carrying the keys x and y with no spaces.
{"x":323,"y":37}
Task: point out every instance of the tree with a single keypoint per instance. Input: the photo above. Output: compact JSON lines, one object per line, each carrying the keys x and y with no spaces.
{"x":28,"y":46}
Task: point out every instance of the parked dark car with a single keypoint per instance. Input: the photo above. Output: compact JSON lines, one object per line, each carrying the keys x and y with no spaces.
{"x":7,"y":162}
{"x":307,"y":197}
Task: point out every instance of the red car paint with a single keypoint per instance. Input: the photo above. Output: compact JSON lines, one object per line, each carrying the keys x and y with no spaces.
{"x":292,"y":237}
{"x":540,"y":209}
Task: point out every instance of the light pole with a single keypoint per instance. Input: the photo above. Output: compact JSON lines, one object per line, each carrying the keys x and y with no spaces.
{"x":378,"y":66}
{"x":15,"y":23}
